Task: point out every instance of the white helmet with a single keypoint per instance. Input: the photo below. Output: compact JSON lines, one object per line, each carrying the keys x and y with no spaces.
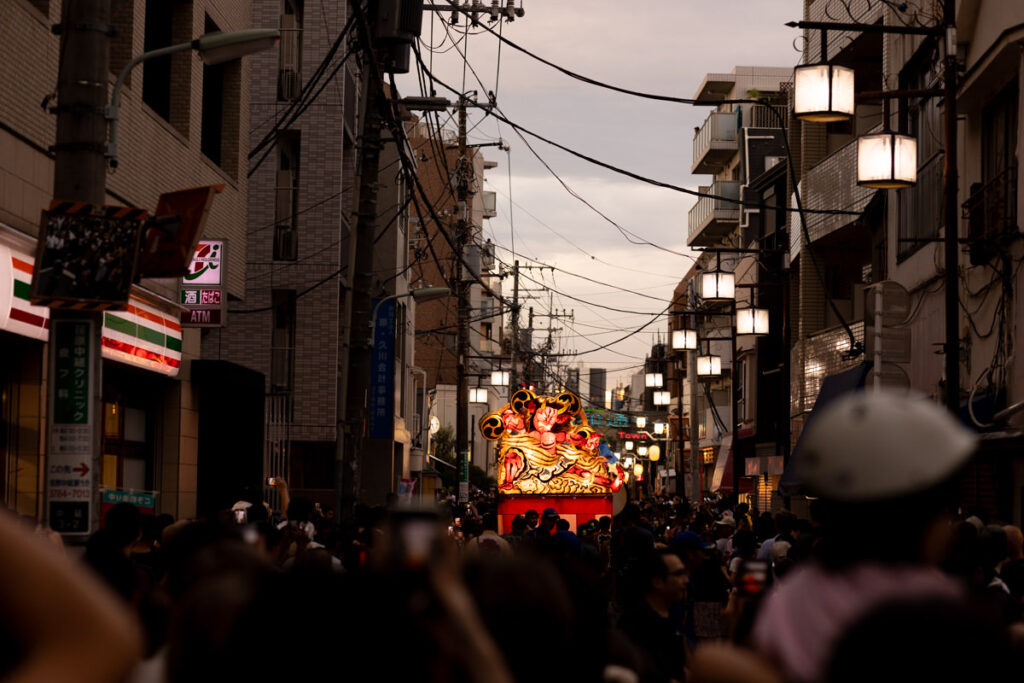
{"x":873,"y":445}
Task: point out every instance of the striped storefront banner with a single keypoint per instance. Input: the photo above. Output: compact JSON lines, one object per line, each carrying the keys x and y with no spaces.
{"x":17,"y":315}
{"x":141,"y":336}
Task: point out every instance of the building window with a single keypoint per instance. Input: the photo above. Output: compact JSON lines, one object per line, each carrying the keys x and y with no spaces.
{"x":221,"y":102}
{"x":289,"y":71}
{"x":213,"y":106}
{"x":992,"y":206}
{"x":282,"y":340}
{"x":166,"y":81}
{"x":286,"y":223}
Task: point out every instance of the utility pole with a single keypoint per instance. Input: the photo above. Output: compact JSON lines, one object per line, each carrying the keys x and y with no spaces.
{"x":80,"y":174}
{"x":950,"y":183}
{"x":513,"y":375}
{"x":462,"y":239}
{"x":356,"y":353}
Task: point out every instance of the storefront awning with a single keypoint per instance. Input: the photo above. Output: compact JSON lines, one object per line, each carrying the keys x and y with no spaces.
{"x":722,"y":479}
{"x":142,"y":335}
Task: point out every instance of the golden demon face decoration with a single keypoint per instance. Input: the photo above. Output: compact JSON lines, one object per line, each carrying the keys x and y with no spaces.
{"x":548,"y":447}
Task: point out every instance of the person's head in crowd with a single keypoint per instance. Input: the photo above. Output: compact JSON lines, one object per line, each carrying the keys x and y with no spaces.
{"x":532,"y":519}
{"x":690,"y":548}
{"x":725,"y":527}
{"x":744,"y":543}
{"x":562,"y":525}
{"x":663,"y":578}
{"x":604,"y":524}
{"x":883,"y":466}
{"x":784,"y":521}
{"x":123,"y":523}
{"x":471,"y":527}
{"x":489,"y":522}
{"x":519,"y":525}
{"x":548,"y":520}
{"x":1014,"y":543}
{"x":299,"y":510}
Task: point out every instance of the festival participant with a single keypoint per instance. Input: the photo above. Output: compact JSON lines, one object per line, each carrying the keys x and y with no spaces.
{"x":883,"y":465}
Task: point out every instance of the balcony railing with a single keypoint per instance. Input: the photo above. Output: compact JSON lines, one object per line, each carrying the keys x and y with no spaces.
{"x":715,"y":143}
{"x":760,"y":116}
{"x":991,"y":213}
{"x":921,"y":208}
{"x":711,"y":219}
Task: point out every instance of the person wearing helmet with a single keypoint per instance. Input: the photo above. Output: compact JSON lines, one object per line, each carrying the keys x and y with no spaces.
{"x":883,"y":466}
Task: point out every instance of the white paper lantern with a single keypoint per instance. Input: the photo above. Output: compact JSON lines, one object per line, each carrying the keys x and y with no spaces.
{"x":752,"y":321}
{"x":709,"y":366}
{"x":641,"y":421}
{"x":654,"y":380}
{"x":684,"y":340}
{"x":500,"y":378}
{"x":718,"y":286}
{"x":823,"y":92}
{"x":654,"y":453}
{"x":662,"y":398}
{"x":886,"y":161}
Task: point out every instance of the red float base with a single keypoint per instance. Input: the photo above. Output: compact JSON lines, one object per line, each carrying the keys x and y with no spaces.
{"x":576,"y":509}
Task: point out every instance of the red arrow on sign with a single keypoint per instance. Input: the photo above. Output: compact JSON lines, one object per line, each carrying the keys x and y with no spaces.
{"x":83,"y":470}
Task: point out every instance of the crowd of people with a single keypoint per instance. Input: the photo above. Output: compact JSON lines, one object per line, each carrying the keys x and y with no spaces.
{"x":883,"y":578}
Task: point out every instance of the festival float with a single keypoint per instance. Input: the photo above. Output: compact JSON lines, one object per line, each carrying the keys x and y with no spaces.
{"x":549,"y":457}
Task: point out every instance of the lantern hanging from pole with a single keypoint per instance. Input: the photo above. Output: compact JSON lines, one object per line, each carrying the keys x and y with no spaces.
{"x":718,"y":286}
{"x":654,"y":453}
{"x":641,"y":421}
{"x":654,"y":380}
{"x":500,"y":378}
{"x":477,"y":395}
{"x":752,"y":320}
{"x":641,"y":451}
{"x":709,"y":366}
{"x":886,"y":161}
{"x":629,"y":445}
{"x":823,"y":93}
{"x":662,"y":398}
{"x":659,"y":428}
{"x":638,"y":470}
{"x":684,"y":340}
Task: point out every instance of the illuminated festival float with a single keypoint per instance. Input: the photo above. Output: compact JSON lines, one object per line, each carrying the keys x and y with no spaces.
{"x":549,"y":457}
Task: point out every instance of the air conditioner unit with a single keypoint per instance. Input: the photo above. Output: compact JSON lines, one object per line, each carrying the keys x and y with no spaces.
{"x":286,"y":243}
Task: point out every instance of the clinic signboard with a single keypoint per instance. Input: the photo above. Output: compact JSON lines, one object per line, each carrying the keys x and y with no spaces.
{"x":70,"y":464}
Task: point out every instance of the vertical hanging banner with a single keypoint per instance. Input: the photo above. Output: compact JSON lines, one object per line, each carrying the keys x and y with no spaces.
{"x":69,"y":475}
{"x":382,"y":372}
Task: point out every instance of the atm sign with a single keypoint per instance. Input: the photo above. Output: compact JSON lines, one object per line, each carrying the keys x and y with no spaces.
{"x":201,"y":297}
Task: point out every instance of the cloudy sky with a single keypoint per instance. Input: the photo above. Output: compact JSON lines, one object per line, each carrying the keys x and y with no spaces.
{"x":658,"y":46}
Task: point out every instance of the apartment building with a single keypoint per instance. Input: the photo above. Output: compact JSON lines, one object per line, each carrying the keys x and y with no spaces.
{"x":740,"y":232}
{"x":893,"y":240}
{"x":182,"y":125}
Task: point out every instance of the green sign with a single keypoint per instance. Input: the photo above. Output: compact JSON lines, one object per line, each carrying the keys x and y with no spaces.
{"x":71,"y":373}
{"x":142,"y":500}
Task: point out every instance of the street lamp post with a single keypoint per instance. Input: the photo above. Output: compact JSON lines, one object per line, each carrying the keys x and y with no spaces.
{"x":946,"y":30}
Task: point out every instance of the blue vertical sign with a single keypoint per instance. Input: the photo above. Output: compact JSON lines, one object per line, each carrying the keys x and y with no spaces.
{"x":382,"y":373}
